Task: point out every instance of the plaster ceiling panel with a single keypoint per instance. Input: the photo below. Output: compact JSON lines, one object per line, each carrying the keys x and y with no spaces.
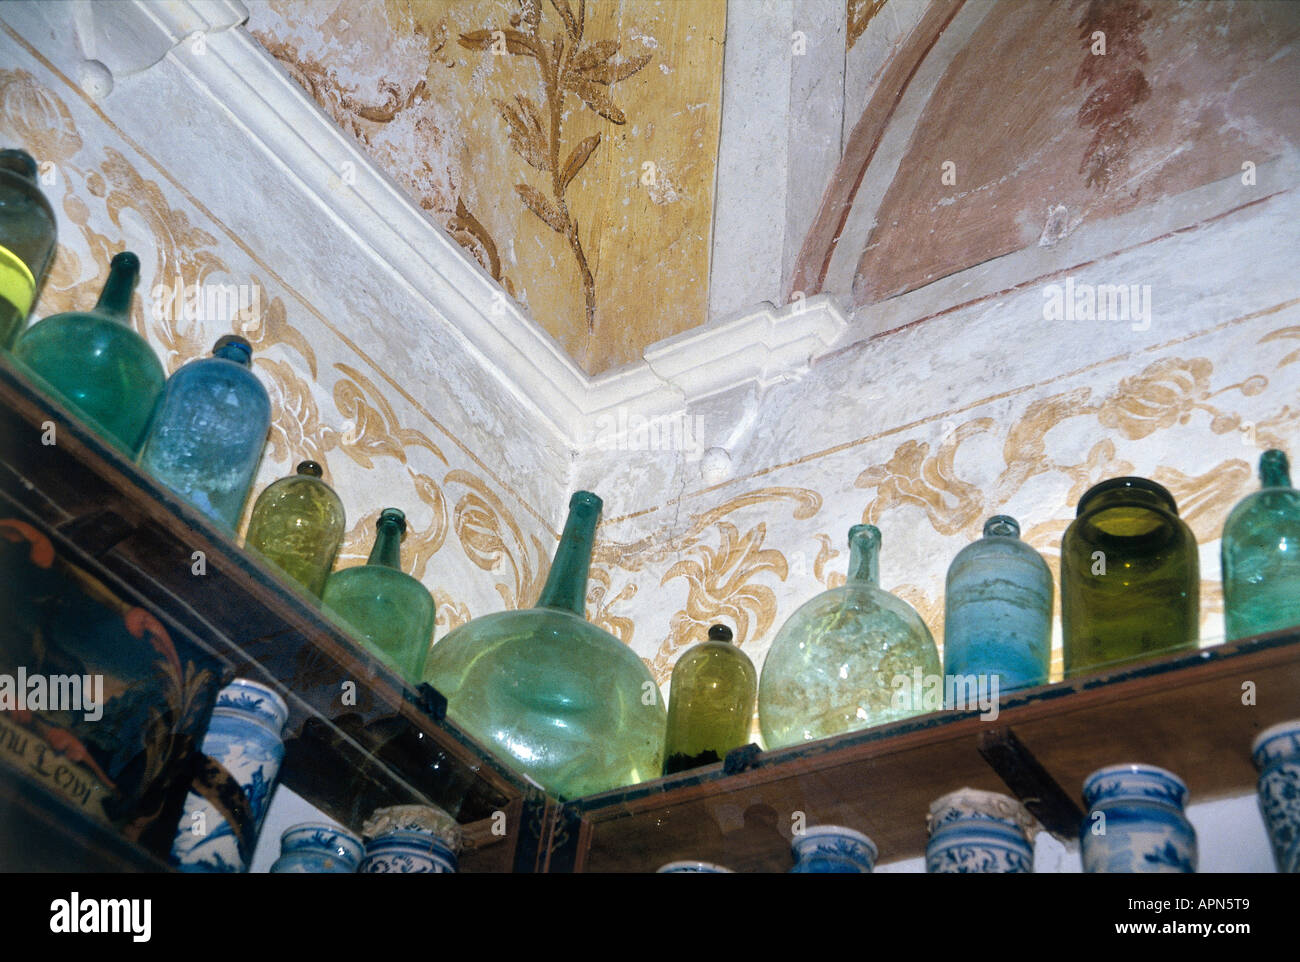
{"x":1055,"y":114}
{"x":586,"y":192}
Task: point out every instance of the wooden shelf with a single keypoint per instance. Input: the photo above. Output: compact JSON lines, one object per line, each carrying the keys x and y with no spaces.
{"x":345,"y":756}
{"x":1183,"y":713}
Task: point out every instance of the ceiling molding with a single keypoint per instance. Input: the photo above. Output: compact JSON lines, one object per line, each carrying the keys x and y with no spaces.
{"x":281,"y":119}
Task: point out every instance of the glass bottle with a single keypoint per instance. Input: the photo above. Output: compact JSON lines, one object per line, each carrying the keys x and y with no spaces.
{"x":1130,"y":581}
{"x":852,"y":657}
{"x":96,"y":364}
{"x":28,"y":235}
{"x":298,"y":524}
{"x":387,"y":609}
{"x":556,"y":697}
{"x":998,"y":610}
{"x":710,"y":703}
{"x":1260,"y":553}
{"x":207,"y":435}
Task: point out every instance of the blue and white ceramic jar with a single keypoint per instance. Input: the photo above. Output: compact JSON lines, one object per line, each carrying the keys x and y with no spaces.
{"x":973,"y":831}
{"x":245,"y":737}
{"x":997,"y":619}
{"x":1276,"y":753}
{"x":1135,"y":822}
{"x":690,"y":866}
{"x":320,"y":848}
{"x":833,"y":848}
{"x":411,"y":838}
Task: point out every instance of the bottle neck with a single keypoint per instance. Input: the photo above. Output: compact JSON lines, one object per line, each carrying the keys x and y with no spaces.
{"x":115,"y":299}
{"x":1274,"y":472}
{"x":864,"y":554}
{"x":387,"y":550}
{"x":1001,"y":526}
{"x":566,"y":586}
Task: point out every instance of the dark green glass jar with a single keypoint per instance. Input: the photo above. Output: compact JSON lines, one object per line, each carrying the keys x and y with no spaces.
{"x":1130,"y":580}
{"x":710,"y":703}
{"x":27,"y":241}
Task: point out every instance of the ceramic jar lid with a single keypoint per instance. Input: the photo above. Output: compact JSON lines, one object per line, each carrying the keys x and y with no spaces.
{"x":428,"y":819}
{"x":977,"y":803}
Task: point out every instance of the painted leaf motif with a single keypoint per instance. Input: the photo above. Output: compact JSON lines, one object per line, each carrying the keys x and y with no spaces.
{"x":543,"y":208}
{"x":596,"y":97}
{"x":576,"y":159}
{"x":527,"y":132}
{"x":516,"y":42}
{"x":571,"y":22}
{"x":601,"y":71}
{"x":595,"y":53}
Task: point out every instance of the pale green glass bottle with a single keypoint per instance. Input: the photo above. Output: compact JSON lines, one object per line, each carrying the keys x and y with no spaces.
{"x":385,"y":608}
{"x":27,"y":240}
{"x":710,"y":703}
{"x":848,"y":659}
{"x":298,"y":525}
{"x":1260,"y":553}
{"x":556,"y":697}
{"x":96,"y":364}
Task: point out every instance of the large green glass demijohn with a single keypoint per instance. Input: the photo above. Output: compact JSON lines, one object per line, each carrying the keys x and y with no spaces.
{"x":847,"y":659}
{"x":96,"y":364}
{"x":1260,"y":554}
{"x":383,"y":606}
{"x":298,"y":525}
{"x":710,"y":703}
{"x":559,"y":699}
{"x":27,"y":240}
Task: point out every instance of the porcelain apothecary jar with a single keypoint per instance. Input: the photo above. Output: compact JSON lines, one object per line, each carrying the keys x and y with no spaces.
{"x":411,"y":838}
{"x":973,"y":831}
{"x":692,"y":867}
{"x":245,"y":737}
{"x":1135,"y":822}
{"x":824,"y":849}
{"x":318,"y":848}
{"x":1276,"y":753}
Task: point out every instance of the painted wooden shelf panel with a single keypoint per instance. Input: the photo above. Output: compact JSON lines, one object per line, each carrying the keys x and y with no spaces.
{"x":358,"y":736}
{"x":1186,"y":713}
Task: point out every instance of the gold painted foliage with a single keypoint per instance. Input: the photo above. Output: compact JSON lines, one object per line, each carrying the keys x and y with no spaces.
{"x":535,"y":132}
{"x":491,"y":538}
{"x":720,"y":580}
{"x":35,"y":119}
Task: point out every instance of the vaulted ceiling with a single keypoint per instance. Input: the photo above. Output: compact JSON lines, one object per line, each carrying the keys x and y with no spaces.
{"x":577,"y":150}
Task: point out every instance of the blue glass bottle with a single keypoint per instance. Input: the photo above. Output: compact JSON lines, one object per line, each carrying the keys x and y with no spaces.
{"x":1260,"y":554}
{"x":998,"y":609}
{"x":208,"y":432}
